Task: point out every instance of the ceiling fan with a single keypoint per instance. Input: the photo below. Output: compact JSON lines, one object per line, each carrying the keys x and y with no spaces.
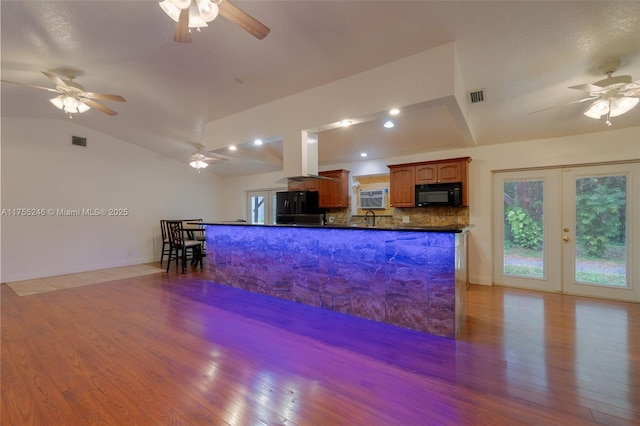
{"x":196,"y":13}
{"x":202,"y":159}
{"x":73,"y":99}
{"x":612,"y":96}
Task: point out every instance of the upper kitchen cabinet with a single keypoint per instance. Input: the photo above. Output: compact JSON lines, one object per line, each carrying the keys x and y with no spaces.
{"x":303,"y":185}
{"x":404,"y":177}
{"x":334,"y":192}
{"x":402,"y":181}
{"x":445,"y":171}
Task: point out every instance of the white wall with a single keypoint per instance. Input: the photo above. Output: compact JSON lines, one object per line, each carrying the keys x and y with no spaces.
{"x":41,"y":169}
{"x":235,"y":190}
{"x":610,"y":145}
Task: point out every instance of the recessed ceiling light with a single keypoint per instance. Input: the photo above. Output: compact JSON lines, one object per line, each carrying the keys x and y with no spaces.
{"x":363,"y":154}
{"x":232,"y":148}
{"x":258,"y":142}
{"x":345,"y":123}
{"x":389,"y":124}
{"x":394,"y":111}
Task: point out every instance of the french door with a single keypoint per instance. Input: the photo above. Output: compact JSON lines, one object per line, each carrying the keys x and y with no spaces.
{"x":569,"y":230}
{"x":261,"y":206}
{"x":526,"y":222}
{"x":600,"y":217}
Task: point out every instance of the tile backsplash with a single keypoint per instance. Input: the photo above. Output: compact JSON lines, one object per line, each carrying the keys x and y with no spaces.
{"x":432,"y":216}
{"x":392,"y":216}
{"x":423,"y":216}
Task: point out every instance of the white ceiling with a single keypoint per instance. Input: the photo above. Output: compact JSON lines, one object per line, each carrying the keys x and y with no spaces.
{"x":524,"y":55}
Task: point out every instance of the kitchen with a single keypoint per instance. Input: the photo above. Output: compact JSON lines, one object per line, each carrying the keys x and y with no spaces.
{"x":300,"y":257}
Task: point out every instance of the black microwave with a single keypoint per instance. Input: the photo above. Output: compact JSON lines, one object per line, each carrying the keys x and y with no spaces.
{"x":439,"y":194}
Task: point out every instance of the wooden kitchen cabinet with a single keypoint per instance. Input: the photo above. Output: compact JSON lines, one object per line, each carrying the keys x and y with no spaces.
{"x":334,"y":193}
{"x":303,"y":185}
{"x":446,"y":172}
{"x":404,"y":177}
{"x":402,"y":181}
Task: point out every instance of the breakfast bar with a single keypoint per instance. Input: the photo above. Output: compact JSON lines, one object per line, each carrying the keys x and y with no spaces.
{"x":413,"y":277}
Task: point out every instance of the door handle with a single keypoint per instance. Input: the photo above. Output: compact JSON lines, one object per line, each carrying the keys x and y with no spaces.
{"x":565,"y":238}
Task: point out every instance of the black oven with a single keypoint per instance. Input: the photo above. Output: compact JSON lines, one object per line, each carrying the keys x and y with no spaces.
{"x":439,"y":194}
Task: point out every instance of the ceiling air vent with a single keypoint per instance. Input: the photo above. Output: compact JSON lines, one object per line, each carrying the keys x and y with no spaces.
{"x":77,"y":140}
{"x":476,"y":96}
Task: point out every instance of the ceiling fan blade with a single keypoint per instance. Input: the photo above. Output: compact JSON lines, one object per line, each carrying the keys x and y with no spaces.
{"x":211,"y":160}
{"x":631,"y":89}
{"x":243,"y":20}
{"x":104,"y":96}
{"x":99,"y":107}
{"x":588,"y":88}
{"x":568,"y":103}
{"x":56,"y":79}
{"x":216,"y":157}
{"x":182,"y":33}
{"x":32,"y":86}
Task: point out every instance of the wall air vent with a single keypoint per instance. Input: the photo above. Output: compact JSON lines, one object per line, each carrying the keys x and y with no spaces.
{"x":476,"y":96}
{"x":77,"y":140}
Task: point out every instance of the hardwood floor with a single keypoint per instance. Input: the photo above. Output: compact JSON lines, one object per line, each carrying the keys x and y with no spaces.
{"x":175,"y":349}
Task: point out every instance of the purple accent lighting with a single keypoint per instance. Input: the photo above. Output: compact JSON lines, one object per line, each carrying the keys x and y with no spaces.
{"x":401,"y":278}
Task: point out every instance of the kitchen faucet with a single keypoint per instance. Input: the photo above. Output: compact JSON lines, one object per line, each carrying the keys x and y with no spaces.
{"x":370,"y":215}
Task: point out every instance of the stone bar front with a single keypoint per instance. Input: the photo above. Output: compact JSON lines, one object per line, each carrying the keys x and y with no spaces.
{"x":410,"y":278}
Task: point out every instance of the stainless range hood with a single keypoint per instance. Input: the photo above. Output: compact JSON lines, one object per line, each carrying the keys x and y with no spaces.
{"x":300,"y":157}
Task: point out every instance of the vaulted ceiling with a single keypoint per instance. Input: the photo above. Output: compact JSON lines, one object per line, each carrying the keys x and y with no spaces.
{"x":523,"y":55}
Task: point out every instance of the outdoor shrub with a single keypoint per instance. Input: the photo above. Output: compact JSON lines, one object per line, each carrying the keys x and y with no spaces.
{"x":525,"y":231}
{"x":600,"y":208}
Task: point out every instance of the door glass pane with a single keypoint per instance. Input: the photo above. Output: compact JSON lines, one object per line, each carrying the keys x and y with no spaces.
{"x":523,"y":228}
{"x":257,"y":209}
{"x":601,"y":230}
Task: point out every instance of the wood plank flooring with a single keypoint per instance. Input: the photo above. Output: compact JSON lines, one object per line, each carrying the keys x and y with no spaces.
{"x":172,"y":349}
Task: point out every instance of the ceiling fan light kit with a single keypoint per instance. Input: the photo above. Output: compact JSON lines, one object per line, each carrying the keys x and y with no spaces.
{"x":198,"y":161}
{"x":200,"y":11}
{"x":69,"y":104}
{"x":614,"y":107}
{"x":208,"y":10}
{"x":198,"y":165}
{"x":190,"y":14}
{"x":614,"y":95}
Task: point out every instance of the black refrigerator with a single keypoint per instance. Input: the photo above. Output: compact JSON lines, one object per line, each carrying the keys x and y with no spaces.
{"x":298,"y":207}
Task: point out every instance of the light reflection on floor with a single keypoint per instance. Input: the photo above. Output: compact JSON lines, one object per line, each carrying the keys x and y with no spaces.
{"x":525,"y":327}
{"x":593,"y":352}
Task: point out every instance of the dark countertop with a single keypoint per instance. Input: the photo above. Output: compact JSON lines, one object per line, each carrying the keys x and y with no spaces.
{"x":402,"y":228}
